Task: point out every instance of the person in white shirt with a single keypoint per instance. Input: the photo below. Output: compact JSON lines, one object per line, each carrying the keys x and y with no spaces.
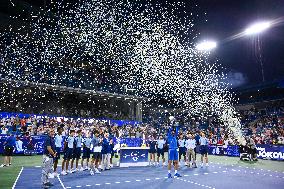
{"x":190,"y":145}
{"x":160,"y":149}
{"x":58,"y":145}
{"x":86,"y":152}
{"x":203,"y":149}
{"x":97,"y":155}
{"x":182,"y":149}
{"x":19,"y":145}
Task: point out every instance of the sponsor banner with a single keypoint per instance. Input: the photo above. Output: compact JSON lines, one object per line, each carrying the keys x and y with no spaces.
{"x":264,"y":151}
{"x":133,"y":155}
{"x":275,"y":152}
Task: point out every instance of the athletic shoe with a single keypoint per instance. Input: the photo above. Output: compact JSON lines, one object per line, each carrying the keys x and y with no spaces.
{"x":111,"y":165}
{"x":201,"y":165}
{"x":69,"y":171}
{"x":73,"y":170}
{"x":81,"y":169}
{"x":207,"y":164}
{"x":170,"y":175}
{"x":10,"y":164}
{"x":3,"y":165}
{"x":97,"y":171}
{"x":55,"y":174}
{"x":48,"y":184}
{"x":50,"y":175}
{"x":63,"y":173}
{"x":92,"y":172}
{"x":177,"y":175}
{"x":76,"y":170}
{"x":87,"y":168}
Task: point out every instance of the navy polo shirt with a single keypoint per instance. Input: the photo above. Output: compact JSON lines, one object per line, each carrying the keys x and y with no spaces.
{"x":11,"y":141}
{"x":49,"y":142}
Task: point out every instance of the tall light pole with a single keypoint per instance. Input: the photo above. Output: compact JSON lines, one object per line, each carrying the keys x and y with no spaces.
{"x":255,"y":30}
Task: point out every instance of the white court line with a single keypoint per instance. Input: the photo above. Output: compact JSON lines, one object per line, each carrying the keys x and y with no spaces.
{"x":61,"y":182}
{"x":18,"y":178}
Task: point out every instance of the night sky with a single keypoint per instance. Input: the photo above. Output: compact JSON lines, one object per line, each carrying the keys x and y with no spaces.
{"x":240,"y":56}
{"x":225,"y":18}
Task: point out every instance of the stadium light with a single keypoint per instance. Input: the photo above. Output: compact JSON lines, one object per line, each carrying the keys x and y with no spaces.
{"x":206,"y":46}
{"x":257,"y":28}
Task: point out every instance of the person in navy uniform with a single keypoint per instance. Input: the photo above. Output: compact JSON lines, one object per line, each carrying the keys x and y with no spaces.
{"x":77,"y":150}
{"x":48,"y":154}
{"x":112,"y":151}
{"x":97,"y":155}
{"x":10,"y":145}
{"x":152,"y":145}
{"x":182,"y":148}
{"x":106,"y":152}
{"x":173,"y":153}
{"x":160,"y":149}
{"x":68,"y":152}
{"x":86,"y":152}
{"x":58,"y":144}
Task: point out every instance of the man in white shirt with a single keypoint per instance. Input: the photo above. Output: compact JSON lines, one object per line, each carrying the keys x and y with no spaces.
{"x":58,"y":145}
{"x":182,"y":148}
{"x":190,"y":145}
{"x":97,"y":155}
{"x":160,"y":149}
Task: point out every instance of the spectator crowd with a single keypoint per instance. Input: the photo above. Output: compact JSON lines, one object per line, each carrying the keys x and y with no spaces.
{"x":263,"y":128}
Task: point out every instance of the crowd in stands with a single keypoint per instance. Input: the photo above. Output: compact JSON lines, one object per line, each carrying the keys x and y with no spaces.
{"x":263,"y":127}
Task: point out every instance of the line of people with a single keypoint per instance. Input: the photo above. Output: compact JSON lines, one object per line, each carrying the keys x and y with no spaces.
{"x":186,"y":149}
{"x":101,"y":159}
{"x":102,"y":150}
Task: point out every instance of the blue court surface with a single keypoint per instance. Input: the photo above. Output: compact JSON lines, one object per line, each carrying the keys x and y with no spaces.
{"x":216,"y":176}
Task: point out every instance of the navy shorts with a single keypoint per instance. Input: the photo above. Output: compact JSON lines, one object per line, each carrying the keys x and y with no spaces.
{"x":68,"y":154}
{"x":8,"y":151}
{"x":97,"y":155}
{"x":77,"y":153}
{"x":182,"y":151}
{"x":203,"y":149}
{"x":57,"y":153}
{"x":86,"y":153}
{"x":160,"y":152}
{"x":173,"y":154}
{"x":152,"y":151}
